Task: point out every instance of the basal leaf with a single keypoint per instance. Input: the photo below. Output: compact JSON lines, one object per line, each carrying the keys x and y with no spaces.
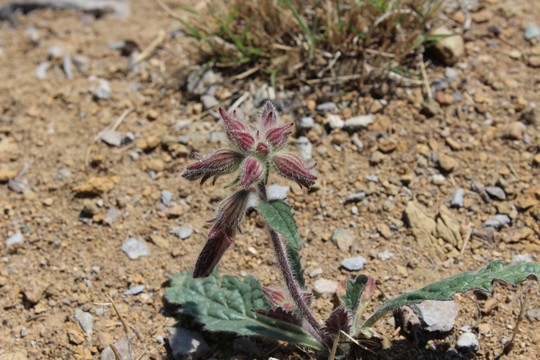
{"x":279,"y":217}
{"x":226,"y":304}
{"x":356,"y":295}
{"x":447,"y":288}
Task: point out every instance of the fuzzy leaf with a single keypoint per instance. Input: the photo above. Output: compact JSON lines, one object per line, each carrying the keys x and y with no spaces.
{"x":354,"y":300}
{"x":294,"y":260}
{"x":279,"y":314}
{"x":279,"y":217}
{"x":226,"y":304}
{"x":447,"y":288}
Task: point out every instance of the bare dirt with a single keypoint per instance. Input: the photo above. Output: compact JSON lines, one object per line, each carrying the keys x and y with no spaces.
{"x":71,"y":257}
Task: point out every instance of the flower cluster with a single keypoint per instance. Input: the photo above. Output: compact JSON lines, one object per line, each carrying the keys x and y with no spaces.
{"x":256,"y":151}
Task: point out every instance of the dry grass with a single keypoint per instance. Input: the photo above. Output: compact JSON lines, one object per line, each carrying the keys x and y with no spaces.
{"x":295,"y":41}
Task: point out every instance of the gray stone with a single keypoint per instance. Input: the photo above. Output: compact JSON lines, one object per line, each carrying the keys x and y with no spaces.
{"x":122,"y":346}
{"x":103,"y":91}
{"x":457,"y":199}
{"x":437,"y":316}
{"x":304,"y":147}
{"x":316,"y":272}
{"x":111,"y":137}
{"x":372,"y":178}
{"x":497,"y":222}
{"x":385,"y":255}
{"x":456,"y":95}
{"x":182,"y":232}
{"x":82,"y":63}
{"x":496,"y":192}
{"x":335,"y":121}
{"x":166,"y":197}
{"x":218,"y":136}
{"x":534,"y":313}
{"x":209,"y":101}
{"x":67,"y":66}
{"x":135,"y":290}
{"x":306,"y":123}
{"x":127,"y":138}
{"x":324,"y":286}
{"x":135,"y":248}
{"x":187,"y":344}
{"x":276,"y":191}
{"x":358,"y":122}
{"x":517,"y":258}
{"x":198,"y":84}
{"x":327,"y":107}
{"x":41,"y":70}
{"x":55,"y":51}
{"x":450,"y":74}
{"x":343,"y":238}
{"x":467,"y":342}
{"x":356,"y":141}
{"x":14,"y":242}
{"x":353,"y":198}
{"x":354,"y":264}
{"x":63,"y":173}
{"x":531,"y":32}
{"x":85,"y":320}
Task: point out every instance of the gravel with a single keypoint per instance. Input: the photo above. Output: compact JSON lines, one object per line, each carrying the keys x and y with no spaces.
{"x":134,"y":290}
{"x":457,"y":200}
{"x":14,"y":242}
{"x":166,"y":197}
{"x":354,"y":264}
{"x":85,"y":320}
{"x":467,"y":342}
{"x":304,"y":147}
{"x":327,"y":107}
{"x":437,"y":316}
{"x":182,"y":232}
{"x":358,"y":122}
{"x":497,"y":222}
{"x":496,"y":192}
{"x":135,"y":248}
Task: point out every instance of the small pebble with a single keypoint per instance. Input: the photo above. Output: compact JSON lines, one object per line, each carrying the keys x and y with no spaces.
{"x":354,"y":264}
{"x":531,"y":32}
{"x":67,"y":66}
{"x":166,"y":197}
{"x":355,"y":210}
{"x":14,"y":242}
{"x":437,"y":316}
{"x":457,"y":200}
{"x":209,"y":101}
{"x":135,"y":248}
{"x":450,"y":74}
{"x":134,"y":290}
{"x":187,"y":344}
{"x":327,"y":107}
{"x":335,"y":121}
{"x":497,"y":222}
{"x":111,"y":137}
{"x":316,"y":272}
{"x":304,"y":147}
{"x":343,"y":238}
{"x":82,"y":63}
{"x":85,"y":320}
{"x":496,"y":192}
{"x":385,"y":255}
{"x":103,"y":91}
{"x":324,"y":286}
{"x":306,"y":123}
{"x":41,"y":70}
{"x":358,"y":122}
{"x":182,"y":232}
{"x":438,"y":179}
{"x":63,"y":173}
{"x":55,"y":51}
{"x":356,"y":141}
{"x":467,"y":342}
{"x":359,"y":196}
{"x":372,"y":178}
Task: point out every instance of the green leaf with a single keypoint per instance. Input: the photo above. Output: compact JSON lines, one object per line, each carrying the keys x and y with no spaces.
{"x":294,"y":260}
{"x":279,"y":217}
{"x":225,"y":304}
{"x":355,"y":299}
{"x":447,"y":288}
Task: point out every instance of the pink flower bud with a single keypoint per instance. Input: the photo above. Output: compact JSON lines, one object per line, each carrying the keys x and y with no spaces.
{"x":263,"y":149}
{"x":268,"y":117}
{"x":232,"y":122}
{"x":291,"y":167}
{"x":223,"y":161}
{"x":253,"y":169}
{"x":277,"y":137}
{"x":243,"y":139}
{"x":230,"y":214}
{"x":278,"y":298}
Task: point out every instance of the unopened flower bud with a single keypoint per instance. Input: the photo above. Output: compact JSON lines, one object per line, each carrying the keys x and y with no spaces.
{"x":291,"y":167}
{"x":253,"y":169}
{"x":223,"y":161}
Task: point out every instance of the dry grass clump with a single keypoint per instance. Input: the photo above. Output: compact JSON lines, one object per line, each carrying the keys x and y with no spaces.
{"x":307,"y":41}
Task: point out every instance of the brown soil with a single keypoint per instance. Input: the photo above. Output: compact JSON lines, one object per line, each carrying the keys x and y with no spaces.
{"x":72,"y":259}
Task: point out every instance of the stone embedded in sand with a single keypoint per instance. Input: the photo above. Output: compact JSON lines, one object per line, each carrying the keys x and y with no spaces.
{"x":97,"y":185}
{"x":450,"y":49}
{"x":135,"y":248}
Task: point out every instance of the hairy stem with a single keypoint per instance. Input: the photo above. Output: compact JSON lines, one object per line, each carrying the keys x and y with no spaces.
{"x":290,"y":281}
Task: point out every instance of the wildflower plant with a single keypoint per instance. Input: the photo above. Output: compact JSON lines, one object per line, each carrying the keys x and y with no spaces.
{"x":229,"y":303}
